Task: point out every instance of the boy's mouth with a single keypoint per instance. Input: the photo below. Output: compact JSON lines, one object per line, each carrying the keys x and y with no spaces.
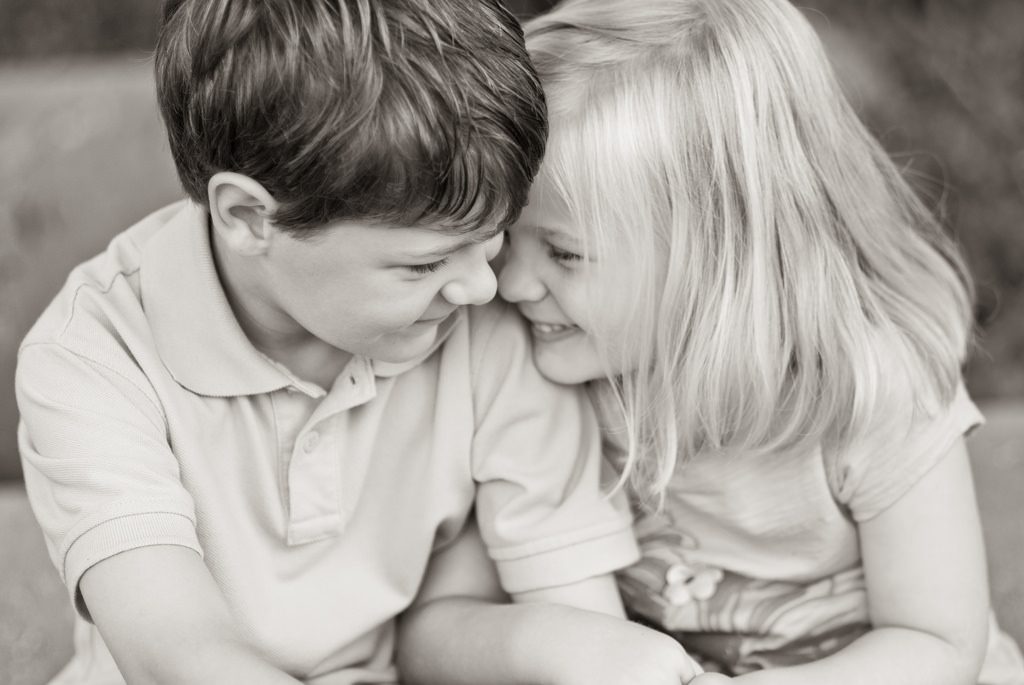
{"x":435,"y":319}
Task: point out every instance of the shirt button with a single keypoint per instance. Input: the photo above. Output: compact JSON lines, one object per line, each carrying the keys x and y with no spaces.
{"x":310,"y":442}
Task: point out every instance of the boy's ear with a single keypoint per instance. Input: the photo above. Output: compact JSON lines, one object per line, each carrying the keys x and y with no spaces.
{"x":241,"y":211}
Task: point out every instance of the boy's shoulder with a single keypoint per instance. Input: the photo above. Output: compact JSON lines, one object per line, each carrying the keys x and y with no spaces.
{"x":495,"y":317}
{"x":102,"y":290}
{"x":496,"y":342}
{"x":496,"y":333}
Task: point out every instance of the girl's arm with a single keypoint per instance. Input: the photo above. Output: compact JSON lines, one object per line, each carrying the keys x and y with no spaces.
{"x":165,"y":621}
{"x":924,"y":563}
{"x":461,"y":631}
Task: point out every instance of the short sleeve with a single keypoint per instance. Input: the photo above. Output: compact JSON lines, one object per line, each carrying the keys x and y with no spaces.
{"x":100,"y":474}
{"x":871,"y":476}
{"x":542,"y":499}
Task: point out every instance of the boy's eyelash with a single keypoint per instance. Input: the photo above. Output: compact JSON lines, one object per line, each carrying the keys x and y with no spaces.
{"x":428,"y":268}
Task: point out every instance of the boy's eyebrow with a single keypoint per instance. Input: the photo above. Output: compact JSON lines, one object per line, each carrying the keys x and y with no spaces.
{"x":476,"y":237}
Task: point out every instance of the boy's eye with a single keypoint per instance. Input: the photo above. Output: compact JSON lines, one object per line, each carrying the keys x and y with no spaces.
{"x":427,"y":268}
{"x":562,"y":256}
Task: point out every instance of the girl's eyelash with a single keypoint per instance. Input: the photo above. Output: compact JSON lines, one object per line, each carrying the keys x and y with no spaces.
{"x":428,"y":268}
{"x":560,"y":255}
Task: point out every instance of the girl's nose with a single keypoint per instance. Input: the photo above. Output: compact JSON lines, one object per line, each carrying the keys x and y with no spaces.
{"x":517,"y":281}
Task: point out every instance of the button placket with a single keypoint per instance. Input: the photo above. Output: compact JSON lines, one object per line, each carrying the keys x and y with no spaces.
{"x":313,"y":486}
{"x":316,"y":471}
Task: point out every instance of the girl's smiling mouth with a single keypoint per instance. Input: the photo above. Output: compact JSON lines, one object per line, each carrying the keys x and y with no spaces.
{"x":550,"y":332}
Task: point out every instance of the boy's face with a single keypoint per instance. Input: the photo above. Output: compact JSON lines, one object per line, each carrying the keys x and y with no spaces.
{"x":576,"y":306}
{"x":378,"y":291}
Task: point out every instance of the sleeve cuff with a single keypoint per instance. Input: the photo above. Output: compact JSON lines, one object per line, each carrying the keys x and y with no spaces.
{"x":120,"y":535}
{"x":569,"y":564}
{"x":962,"y":417}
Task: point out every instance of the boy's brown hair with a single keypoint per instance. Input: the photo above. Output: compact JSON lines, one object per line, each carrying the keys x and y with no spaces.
{"x":404,"y":112}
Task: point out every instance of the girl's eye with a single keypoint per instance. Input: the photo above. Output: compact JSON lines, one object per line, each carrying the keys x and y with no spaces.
{"x":562,"y":256}
{"x":427,"y":268}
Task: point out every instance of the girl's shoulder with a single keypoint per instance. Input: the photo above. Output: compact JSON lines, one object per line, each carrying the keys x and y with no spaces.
{"x":908,"y":433}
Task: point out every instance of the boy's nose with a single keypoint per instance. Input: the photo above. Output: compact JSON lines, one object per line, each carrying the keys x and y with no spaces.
{"x":517,"y":282}
{"x":477,"y":286}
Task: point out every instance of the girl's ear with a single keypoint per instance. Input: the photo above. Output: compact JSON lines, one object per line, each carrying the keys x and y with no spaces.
{"x":240,"y":212}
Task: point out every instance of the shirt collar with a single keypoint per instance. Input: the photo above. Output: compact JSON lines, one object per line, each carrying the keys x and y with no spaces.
{"x":196,"y":333}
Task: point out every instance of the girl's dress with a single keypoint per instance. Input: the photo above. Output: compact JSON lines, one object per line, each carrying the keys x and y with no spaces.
{"x":754,"y":561}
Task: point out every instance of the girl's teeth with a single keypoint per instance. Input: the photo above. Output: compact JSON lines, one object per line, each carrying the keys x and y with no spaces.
{"x":549,"y":328}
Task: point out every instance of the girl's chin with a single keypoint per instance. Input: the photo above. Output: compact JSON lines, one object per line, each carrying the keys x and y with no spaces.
{"x":567,"y":367}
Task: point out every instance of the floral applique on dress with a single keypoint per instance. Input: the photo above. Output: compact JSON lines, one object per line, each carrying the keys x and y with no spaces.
{"x":665,"y":577}
{"x":685,"y":583}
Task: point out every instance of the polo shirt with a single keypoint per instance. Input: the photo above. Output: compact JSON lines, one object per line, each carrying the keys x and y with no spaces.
{"x":148,"y":418}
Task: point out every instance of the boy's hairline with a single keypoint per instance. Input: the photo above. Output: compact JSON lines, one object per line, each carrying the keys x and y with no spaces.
{"x":474,"y":232}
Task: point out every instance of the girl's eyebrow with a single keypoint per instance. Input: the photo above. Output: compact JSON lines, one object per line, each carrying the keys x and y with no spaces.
{"x":555,"y":231}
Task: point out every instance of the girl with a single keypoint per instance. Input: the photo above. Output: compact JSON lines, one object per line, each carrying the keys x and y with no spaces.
{"x":772,"y":326}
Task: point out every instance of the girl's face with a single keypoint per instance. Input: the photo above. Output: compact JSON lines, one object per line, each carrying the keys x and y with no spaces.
{"x":577,"y":307}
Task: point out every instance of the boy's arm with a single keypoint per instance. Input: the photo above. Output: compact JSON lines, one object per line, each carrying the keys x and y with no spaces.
{"x":460,"y":631}
{"x":165,"y":621}
{"x":554,"y":535}
{"x":106,"y":489}
{"x":599,"y":594}
{"x":924,"y":564}
{"x":551,"y":528}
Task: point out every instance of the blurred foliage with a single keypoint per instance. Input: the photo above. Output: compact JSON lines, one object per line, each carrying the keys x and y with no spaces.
{"x":44,"y":28}
{"x":940,"y":82}
{"x":942,"y":85}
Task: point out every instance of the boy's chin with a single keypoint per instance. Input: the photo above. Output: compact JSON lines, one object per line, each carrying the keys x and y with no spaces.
{"x":404,"y":348}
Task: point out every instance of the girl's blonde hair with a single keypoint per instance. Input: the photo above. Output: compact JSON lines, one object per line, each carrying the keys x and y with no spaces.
{"x":787,"y":277}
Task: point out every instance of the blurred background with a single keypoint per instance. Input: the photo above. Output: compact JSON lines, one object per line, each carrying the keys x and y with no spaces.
{"x":82,"y":156}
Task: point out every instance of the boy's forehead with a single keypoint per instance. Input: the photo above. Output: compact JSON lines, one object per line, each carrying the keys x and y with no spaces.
{"x":439,"y":240}
{"x":422,"y":240}
{"x":480,"y":234}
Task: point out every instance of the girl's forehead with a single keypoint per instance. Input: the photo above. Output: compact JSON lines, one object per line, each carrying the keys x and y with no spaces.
{"x":548,"y":213}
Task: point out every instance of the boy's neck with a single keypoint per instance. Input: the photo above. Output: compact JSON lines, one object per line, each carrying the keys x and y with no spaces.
{"x":269,"y":329}
{"x":312,"y":360}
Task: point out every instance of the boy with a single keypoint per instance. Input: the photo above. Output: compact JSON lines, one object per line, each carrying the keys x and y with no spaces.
{"x":248,"y":424}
